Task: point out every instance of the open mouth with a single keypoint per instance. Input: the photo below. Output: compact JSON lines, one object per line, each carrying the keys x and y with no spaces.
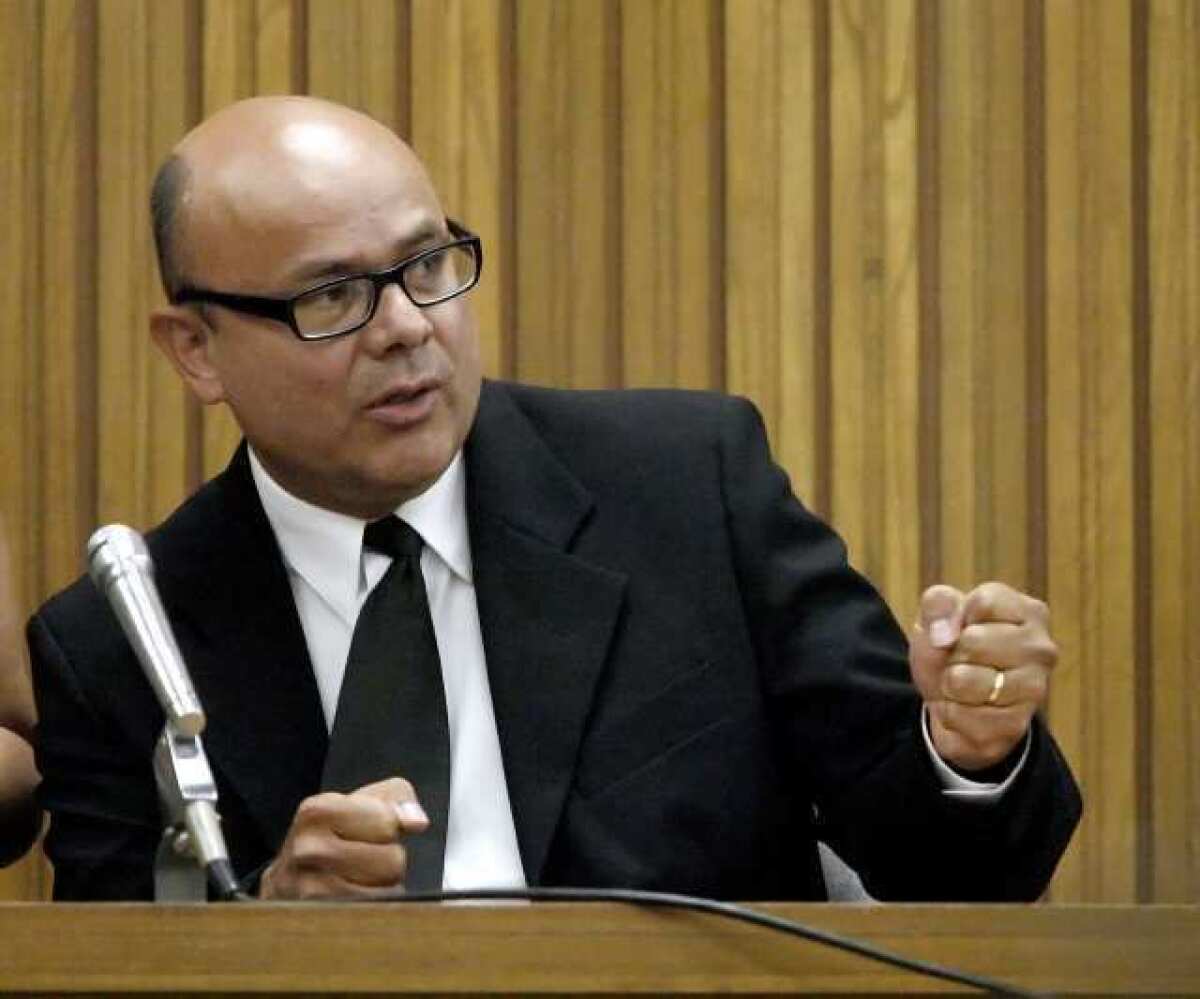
{"x":406,"y":405}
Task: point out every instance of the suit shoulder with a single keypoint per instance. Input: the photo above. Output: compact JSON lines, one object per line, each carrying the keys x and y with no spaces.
{"x":640,"y":418}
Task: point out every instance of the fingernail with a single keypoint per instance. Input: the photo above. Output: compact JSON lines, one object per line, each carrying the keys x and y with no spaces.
{"x":410,"y":812}
{"x":941,"y":633}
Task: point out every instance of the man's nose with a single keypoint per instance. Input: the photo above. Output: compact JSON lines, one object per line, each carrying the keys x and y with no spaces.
{"x":397,"y":321}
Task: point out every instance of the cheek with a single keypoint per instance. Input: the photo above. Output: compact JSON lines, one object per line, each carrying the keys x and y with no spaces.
{"x":289,"y":386}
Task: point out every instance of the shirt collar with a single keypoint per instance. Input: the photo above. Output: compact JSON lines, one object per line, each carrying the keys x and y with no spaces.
{"x":325,"y":547}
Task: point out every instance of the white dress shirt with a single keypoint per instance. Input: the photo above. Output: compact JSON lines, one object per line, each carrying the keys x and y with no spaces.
{"x":331,"y":575}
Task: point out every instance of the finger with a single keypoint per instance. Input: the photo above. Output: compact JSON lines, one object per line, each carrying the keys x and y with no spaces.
{"x":365,"y":818}
{"x":973,"y":738}
{"x":294,"y":884}
{"x":975,"y":685}
{"x":399,"y":795}
{"x":940,"y":615}
{"x":995,"y":601}
{"x":369,"y":865}
{"x":1005,"y":645}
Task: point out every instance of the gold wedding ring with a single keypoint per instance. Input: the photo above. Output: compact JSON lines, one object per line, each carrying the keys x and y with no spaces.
{"x":997,"y":686}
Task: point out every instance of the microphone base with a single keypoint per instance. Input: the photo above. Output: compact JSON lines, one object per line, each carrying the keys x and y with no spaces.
{"x":177,"y":876}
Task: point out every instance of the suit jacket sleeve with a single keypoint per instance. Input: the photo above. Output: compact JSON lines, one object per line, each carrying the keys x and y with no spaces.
{"x":846,"y":717}
{"x":105,"y":814}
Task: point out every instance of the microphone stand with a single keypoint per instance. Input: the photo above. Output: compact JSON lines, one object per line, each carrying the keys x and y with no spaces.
{"x":191,"y":846}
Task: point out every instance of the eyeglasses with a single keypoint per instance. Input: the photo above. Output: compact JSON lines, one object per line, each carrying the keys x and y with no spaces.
{"x":335,"y":308}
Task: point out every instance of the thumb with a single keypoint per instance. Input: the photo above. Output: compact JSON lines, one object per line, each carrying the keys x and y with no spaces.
{"x":938,"y":625}
{"x":940,"y":615}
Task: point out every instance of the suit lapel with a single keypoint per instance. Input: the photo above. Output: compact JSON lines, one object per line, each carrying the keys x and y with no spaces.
{"x":242,"y":640}
{"x":547,"y":616}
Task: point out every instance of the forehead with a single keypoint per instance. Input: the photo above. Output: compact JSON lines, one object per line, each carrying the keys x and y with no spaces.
{"x":262,"y":216}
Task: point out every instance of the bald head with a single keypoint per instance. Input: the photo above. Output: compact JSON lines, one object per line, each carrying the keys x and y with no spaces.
{"x":260,"y":158}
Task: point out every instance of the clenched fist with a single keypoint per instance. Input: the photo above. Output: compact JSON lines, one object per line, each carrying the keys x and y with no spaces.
{"x":982,"y":662}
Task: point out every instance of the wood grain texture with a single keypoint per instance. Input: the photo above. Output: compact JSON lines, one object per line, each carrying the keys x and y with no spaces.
{"x":984,"y":452}
{"x":874,"y":346}
{"x":145,"y":422}
{"x":66,"y":433}
{"x":21,"y":353}
{"x":1089,"y":406}
{"x":670,"y":213}
{"x":948,"y":248}
{"x":357,"y":55}
{"x":228,"y":74}
{"x":461,"y":127}
{"x":597,"y":949}
{"x":567,"y":192}
{"x":775,"y":334}
{"x":1174,"y":417}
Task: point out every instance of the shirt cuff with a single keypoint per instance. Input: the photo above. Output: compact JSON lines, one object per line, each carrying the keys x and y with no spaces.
{"x":955,"y":785}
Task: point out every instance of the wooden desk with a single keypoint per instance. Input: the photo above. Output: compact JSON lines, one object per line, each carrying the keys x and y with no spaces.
{"x":583,"y":948}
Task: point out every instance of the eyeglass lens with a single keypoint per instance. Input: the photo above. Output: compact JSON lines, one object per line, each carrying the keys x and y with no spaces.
{"x":343,"y":305}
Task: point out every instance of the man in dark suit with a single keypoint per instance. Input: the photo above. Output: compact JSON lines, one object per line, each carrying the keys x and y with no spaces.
{"x":658,"y":669}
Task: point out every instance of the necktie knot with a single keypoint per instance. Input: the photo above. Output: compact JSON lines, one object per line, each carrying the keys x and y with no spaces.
{"x":391,"y":536}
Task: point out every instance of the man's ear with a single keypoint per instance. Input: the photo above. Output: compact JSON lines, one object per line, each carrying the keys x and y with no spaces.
{"x":186,"y":340}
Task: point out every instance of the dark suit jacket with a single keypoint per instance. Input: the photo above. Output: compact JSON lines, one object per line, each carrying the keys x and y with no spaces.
{"x":690,"y":683}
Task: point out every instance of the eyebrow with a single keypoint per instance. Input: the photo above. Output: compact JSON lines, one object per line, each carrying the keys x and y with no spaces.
{"x":427,"y":233}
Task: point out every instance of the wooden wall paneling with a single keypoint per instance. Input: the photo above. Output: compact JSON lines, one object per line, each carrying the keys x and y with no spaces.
{"x":568,"y":193}
{"x":20,"y":349}
{"x":228,"y":75}
{"x":775,"y":247}
{"x":279,"y":47}
{"x":753,"y":129}
{"x":461,"y":86}
{"x":983,"y":321}
{"x":67,"y":442}
{"x":874,"y":346}
{"x":897,"y":326}
{"x":1174,"y":422}
{"x":357,"y":55}
{"x":144,"y":426}
{"x":1089,"y":406}
{"x":671,"y":206}
{"x":21,"y":353}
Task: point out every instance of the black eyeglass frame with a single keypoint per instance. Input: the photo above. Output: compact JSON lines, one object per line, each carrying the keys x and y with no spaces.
{"x":283,"y":309}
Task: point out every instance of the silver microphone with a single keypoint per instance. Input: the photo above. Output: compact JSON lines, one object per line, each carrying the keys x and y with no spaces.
{"x":120,"y":566}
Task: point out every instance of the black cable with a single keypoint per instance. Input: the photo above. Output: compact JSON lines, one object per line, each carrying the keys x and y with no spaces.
{"x":727,"y":910}
{"x":225,"y":883}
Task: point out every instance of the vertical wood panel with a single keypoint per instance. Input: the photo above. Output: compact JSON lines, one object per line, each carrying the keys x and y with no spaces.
{"x":776,"y":337}
{"x":144,"y":421}
{"x":279,"y":46}
{"x":67,"y":433}
{"x":228,"y":74}
{"x":461,"y":94}
{"x":567,"y":236}
{"x":753,"y":129}
{"x":1174,"y":416}
{"x":356,"y":55}
{"x":671,"y":304}
{"x":20,"y":354}
{"x":1089,"y":443}
{"x":983,"y":349}
{"x":874,"y":349}
{"x":706,"y":192}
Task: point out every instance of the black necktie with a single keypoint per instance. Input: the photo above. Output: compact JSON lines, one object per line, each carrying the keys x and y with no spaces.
{"x":391,"y":713}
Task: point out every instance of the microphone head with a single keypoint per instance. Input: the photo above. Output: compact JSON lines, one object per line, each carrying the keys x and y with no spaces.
{"x":121,"y":567}
{"x":113,"y":548}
